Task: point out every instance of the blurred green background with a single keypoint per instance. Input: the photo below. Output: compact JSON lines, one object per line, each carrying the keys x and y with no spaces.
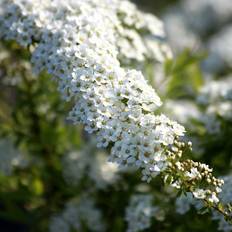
{"x":36,"y":136}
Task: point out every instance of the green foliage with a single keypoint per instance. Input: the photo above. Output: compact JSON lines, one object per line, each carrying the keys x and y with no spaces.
{"x":184,"y":75}
{"x":34,"y":118}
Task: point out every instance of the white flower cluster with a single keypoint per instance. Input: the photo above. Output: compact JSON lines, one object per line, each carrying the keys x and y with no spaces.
{"x":220,"y":46}
{"x":216,"y":96}
{"x":214,"y":99}
{"x":89,"y":163}
{"x":202,"y":24}
{"x":225,"y":197}
{"x":195,"y":174}
{"x":184,"y":203}
{"x":77,"y":214}
{"x":216,"y":91}
{"x":182,"y":110}
{"x":76,"y":42}
{"x":201,"y":13}
{"x":179,"y":34}
{"x":197,"y":16}
{"x":10,"y":158}
{"x":141,"y":35}
{"x":212,"y":125}
{"x":139,"y":212}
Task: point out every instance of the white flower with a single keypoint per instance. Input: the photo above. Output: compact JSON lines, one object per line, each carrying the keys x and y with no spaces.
{"x":216,"y":96}
{"x":89,"y":163}
{"x":139,"y":213}
{"x":199,"y":194}
{"x":184,"y":203}
{"x":225,"y":197}
{"x":220,"y":45}
{"x":213,"y":198}
{"x":211,"y":123}
{"x":193,"y":173}
{"x":182,"y":111}
{"x":74,"y":214}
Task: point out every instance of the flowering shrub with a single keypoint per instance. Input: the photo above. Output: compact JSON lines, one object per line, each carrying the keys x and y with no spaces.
{"x":94,"y":52}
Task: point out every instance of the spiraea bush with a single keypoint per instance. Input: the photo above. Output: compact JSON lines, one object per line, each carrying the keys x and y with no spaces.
{"x":119,"y":159}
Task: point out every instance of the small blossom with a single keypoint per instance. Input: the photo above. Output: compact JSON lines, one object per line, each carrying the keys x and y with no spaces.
{"x":139,"y":213}
{"x":75,"y":213}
